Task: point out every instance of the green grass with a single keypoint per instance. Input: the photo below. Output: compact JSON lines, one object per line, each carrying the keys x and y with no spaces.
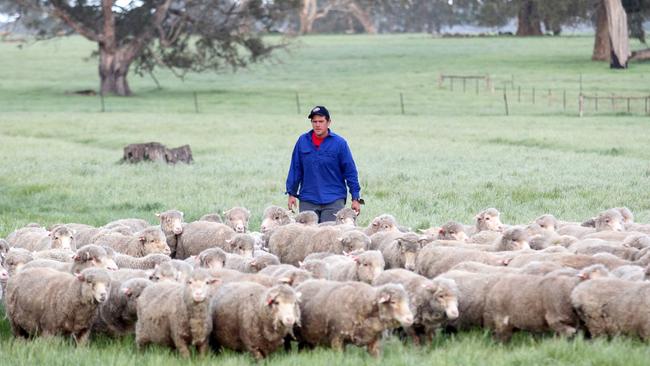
{"x":451,"y":155}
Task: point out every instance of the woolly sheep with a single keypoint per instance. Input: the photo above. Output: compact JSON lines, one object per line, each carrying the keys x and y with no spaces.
{"x":338,"y":313}
{"x":577,"y":261}
{"x":174,"y":270}
{"x":638,"y":241}
{"x":488,"y":220}
{"x":630,"y":273}
{"x":307,"y":218}
{"x":402,"y":251}
{"x":134,"y":224}
{"x":434,"y":260}
{"x":594,"y":246}
{"x":171,"y":223}
{"x":547,"y":222}
{"x":364,"y":267}
{"x":176,"y":314}
{"x":250,"y":317}
{"x":117,"y":316}
{"x":287,"y":274}
{"x":213,"y":258}
{"x":237,"y":218}
{"x":213,"y":217}
{"x":34,"y":240}
{"x":384,"y":222}
{"x":201,"y":235}
{"x":433,"y":302}
{"x":48,"y":302}
{"x":452,"y":231}
{"x":85,"y":257}
{"x":16,"y":258}
{"x":149,"y":261}
{"x":60,"y":255}
{"x":275,"y":217}
{"x":514,"y":238}
{"x":318,"y":268}
{"x":346,"y":216}
{"x":147,"y":241}
{"x":229,"y":275}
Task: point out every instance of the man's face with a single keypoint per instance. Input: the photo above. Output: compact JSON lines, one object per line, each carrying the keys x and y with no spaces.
{"x":320,"y":124}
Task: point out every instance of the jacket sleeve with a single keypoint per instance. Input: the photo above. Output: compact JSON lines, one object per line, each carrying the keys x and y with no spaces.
{"x":350,"y":172}
{"x":294,"y":178}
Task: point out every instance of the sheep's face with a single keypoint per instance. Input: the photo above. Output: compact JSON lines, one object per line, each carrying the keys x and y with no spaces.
{"x":132,"y":289}
{"x":489,"y":220}
{"x":14,"y":263}
{"x":165,"y":272}
{"x":274,"y":217}
{"x":443,"y":298}
{"x":394,"y":305}
{"x":237,"y":218}
{"x":4,"y":275}
{"x":171,"y":222}
{"x":547,"y":223}
{"x":346,"y":216}
{"x":95,"y":284}
{"x":353,"y":241}
{"x":154,"y":242}
{"x":452,"y":231}
{"x":62,"y":238}
{"x":369,"y":266}
{"x":282,"y":303}
{"x":610,"y":220}
{"x":408,"y":251}
{"x":628,"y":216}
{"x":593,"y":272}
{"x":199,"y":287}
{"x":242,"y":244}
{"x":296,"y":277}
{"x":215,"y":263}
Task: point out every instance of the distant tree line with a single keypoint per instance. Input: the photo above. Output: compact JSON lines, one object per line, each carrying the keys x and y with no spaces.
{"x":200,"y":35}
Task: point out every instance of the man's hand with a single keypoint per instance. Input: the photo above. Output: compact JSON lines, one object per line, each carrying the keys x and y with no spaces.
{"x":292,"y":203}
{"x":356,"y":207}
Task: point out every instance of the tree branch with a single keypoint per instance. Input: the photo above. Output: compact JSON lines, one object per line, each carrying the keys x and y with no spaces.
{"x":641,"y":55}
{"x":108,"y":25}
{"x":133,"y":48}
{"x":62,"y":11}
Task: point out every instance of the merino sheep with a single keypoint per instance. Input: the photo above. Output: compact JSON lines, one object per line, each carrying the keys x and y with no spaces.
{"x":174,"y":270}
{"x":433,"y":302}
{"x":149,"y":261}
{"x":318,"y":268}
{"x":364,"y":267}
{"x":547,"y":222}
{"x":576,"y":261}
{"x":229,"y":275}
{"x":171,"y":223}
{"x":212,"y":217}
{"x":338,"y":313}
{"x":117,"y":316}
{"x":213,"y":258}
{"x":287,"y":274}
{"x":237,"y":218}
{"x":434,"y":260}
{"x":85,"y":257}
{"x":384,"y":222}
{"x":488,"y":220}
{"x":639,"y":241}
{"x":514,"y":238}
{"x":35,"y":240}
{"x":452,"y":231}
{"x":48,"y":302}
{"x":535,"y":303}
{"x":134,"y":225}
{"x":33,"y":232}
{"x":631,"y":273}
{"x":201,"y":235}
{"x":346,"y":216}
{"x":16,"y":258}
{"x":147,"y":241}
{"x":609,"y":220}
{"x":248,"y":316}
{"x":61,"y":255}
{"x":402,"y":251}
{"x":275,"y":217}
{"x":307,"y":217}
{"x":594,"y":246}
{"x":176,"y":314}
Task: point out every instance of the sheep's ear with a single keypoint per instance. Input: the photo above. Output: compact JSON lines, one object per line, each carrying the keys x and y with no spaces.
{"x":253,"y":263}
{"x":213,"y":281}
{"x":80,"y":277}
{"x":228,"y":241}
{"x":127,"y":292}
{"x":478,"y":216}
{"x":157,"y":214}
{"x":506,"y":261}
{"x":298,"y":296}
{"x":301,"y":263}
{"x":356,"y":260}
{"x":271,"y":299}
{"x":339,"y":239}
{"x":383,"y":298}
{"x":285,"y":280}
{"x":142,"y":239}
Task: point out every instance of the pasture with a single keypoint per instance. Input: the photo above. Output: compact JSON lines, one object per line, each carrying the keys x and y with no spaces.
{"x":449,"y":156}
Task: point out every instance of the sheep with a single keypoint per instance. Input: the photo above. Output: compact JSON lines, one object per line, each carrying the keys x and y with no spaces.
{"x":48,"y":302}
{"x":4,"y":248}
{"x":174,"y":270}
{"x":434,"y":260}
{"x":35,"y":240}
{"x":85,"y":257}
{"x":638,"y":241}
{"x":176,"y":314}
{"x":149,"y":261}
{"x":262,"y":260}
{"x":238,"y":263}
{"x":124,"y":274}
{"x":346,"y":216}
{"x":134,"y":225}
{"x":612,"y":306}
{"x":60,"y":255}
{"x":535,"y":303}
{"x":547,"y":222}
{"x":482,"y":268}
{"x":251,"y":317}
{"x":237,"y":219}
{"x":16,"y":258}
{"x":594,"y":246}
{"x":307,"y":217}
{"x":577,"y":261}
{"x":488,"y":220}
{"x":241,"y":244}
{"x":318,"y":268}
{"x":337,"y":313}
{"x":171,"y":223}
{"x":275,"y":217}
{"x":618,"y":236}
{"x":401,"y":252}
{"x":213,"y":258}
{"x":117,"y":316}
{"x":609,"y":220}
{"x":287,"y":274}
{"x":201,"y":235}
{"x":630,"y":273}
{"x":229,"y":275}
{"x":35,"y":232}
{"x":331,"y":239}
{"x":626,"y":214}
{"x":433,"y":302}
{"x":147,"y":241}
{"x":452,"y":231}
{"x":384,"y":222}
{"x":364,"y":267}
{"x":212,"y":217}
{"x":514,"y":238}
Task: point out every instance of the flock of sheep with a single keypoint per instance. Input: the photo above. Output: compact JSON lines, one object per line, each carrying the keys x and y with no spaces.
{"x":211,"y":283}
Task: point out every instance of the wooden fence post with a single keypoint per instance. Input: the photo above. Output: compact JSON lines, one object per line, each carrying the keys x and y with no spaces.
{"x":581,"y":104}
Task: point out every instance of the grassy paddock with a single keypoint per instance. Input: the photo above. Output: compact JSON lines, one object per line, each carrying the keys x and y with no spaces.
{"x":450,"y":156}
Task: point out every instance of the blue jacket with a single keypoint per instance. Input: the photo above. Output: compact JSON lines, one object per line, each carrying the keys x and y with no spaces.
{"x":319,"y":175}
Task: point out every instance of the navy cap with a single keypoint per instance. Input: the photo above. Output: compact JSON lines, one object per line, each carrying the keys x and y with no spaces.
{"x":319,"y":110}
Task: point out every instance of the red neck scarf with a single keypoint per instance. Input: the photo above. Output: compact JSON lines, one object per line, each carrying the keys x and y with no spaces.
{"x":317,"y":140}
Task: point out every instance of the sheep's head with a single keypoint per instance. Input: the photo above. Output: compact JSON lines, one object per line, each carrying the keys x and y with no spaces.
{"x":62,"y":238}
{"x":242,"y":244}
{"x":132,"y":289}
{"x":452,"y":231}
{"x":237,"y":218}
{"x":346,"y":216}
{"x":96,"y":284}
{"x":213,"y":258}
{"x":275,"y":216}
{"x":610,"y":220}
{"x":547,"y":222}
{"x":353,"y":241}
{"x":408,"y":246}
{"x":394,"y":304}
{"x":171,"y":222}
{"x":198,"y":285}
{"x":489,"y":219}
{"x":282,"y":302}
{"x":369,"y":264}
{"x":307,"y":218}
{"x":515,"y":238}
{"x":94,"y":256}
{"x":443,"y":298}
{"x":153,"y":240}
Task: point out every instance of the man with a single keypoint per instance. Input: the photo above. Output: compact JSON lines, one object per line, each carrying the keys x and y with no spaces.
{"x":321,"y":166}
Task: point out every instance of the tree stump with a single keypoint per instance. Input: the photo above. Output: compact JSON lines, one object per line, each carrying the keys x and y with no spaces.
{"x":155,"y":151}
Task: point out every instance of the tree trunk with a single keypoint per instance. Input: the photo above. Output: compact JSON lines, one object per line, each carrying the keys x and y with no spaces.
{"x":113,"y":69}
{"x":601,"y":44}
{"x":363,"y":17}
{"x":528,"y":21}
{"x":618,"y":34}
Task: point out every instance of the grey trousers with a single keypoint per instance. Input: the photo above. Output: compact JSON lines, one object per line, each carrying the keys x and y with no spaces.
{"x":324,"y":212}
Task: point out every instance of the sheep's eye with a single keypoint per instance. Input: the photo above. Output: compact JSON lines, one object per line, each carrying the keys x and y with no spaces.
{"x":607,"y":221}
{"x":276,"y":218}
{"x":487,"y":218}
{"x":56,"y":238}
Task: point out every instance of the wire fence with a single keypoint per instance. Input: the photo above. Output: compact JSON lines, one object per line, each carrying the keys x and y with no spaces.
{"x":451,"y":94}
